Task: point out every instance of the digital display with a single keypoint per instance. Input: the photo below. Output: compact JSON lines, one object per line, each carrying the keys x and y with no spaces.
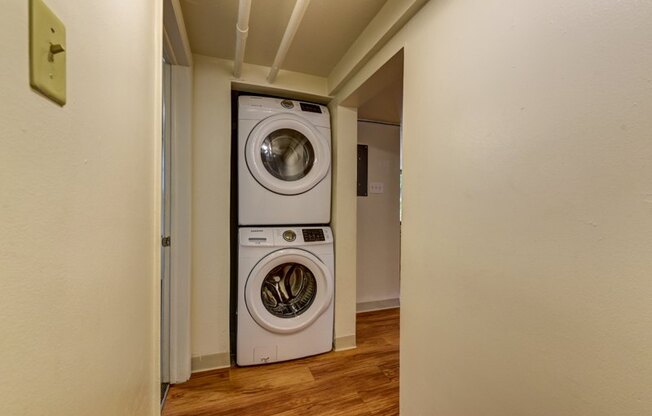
{"x":313,"y":234}
{"x":311,"y":108}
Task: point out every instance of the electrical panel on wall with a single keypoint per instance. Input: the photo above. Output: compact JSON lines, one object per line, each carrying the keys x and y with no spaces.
{"x":363,"y":173}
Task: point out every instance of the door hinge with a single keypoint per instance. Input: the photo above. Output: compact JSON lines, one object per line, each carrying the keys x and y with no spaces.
{"x":165,"y":241}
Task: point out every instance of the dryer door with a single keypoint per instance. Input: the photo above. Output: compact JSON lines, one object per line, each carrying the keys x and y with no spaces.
{"x":287,"y":155}
{"x":288,"y":290}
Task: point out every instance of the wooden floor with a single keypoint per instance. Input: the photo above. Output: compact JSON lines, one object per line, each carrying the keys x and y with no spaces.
{"x":359,"y":382}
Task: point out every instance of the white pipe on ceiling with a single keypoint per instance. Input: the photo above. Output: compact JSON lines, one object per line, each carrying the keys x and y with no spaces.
{"x":291,"y":30}
{"x":241,"y":32}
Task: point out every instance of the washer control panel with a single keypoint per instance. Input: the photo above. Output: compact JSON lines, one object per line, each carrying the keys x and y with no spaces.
{"x":257,"y":236}
{"x":285,"y":237}
{"x":313,"y":234}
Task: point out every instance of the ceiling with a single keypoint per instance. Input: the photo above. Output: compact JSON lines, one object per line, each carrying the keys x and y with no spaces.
{"x":327,"y":30}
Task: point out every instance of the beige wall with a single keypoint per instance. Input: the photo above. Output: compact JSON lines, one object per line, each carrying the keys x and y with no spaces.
{"x":378,"y":222}
{"x":211,"y":157}
{"x":80,"y":208}
{"x":343,"y":219}
{"x":525,"y":257}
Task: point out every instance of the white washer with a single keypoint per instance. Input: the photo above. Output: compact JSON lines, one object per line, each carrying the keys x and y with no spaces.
{"x":285,"y":294}
{"x":284,"y":162}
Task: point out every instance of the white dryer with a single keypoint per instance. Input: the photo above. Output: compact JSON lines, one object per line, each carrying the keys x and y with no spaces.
{"x":285,"y":294}
{"x":284,"y":162}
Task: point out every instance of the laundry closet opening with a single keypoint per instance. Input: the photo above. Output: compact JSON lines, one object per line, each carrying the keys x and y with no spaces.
{"x":379,"y":102}
{"x":282,"y":260}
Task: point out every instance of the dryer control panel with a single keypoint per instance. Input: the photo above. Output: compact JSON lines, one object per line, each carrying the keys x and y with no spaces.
{"x":311,"y":108}
{"x":259,"y":108}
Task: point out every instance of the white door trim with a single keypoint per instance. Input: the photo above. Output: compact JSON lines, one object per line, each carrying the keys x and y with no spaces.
{"x":165,"y":229}
{"x":181,"y":129}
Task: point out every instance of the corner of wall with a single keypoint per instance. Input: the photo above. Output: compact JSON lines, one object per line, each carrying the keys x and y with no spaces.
{"x":344,"y":130}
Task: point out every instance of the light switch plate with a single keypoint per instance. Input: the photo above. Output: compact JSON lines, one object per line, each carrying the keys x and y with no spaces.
{"x":376,"y":187}
{"x":47,"y":52}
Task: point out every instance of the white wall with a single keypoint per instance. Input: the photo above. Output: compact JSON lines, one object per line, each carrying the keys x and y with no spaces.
{"x":80,"y":213}
{"x":343,"y":220}
{"x":378,"y":222}
{"x":527,"y":182}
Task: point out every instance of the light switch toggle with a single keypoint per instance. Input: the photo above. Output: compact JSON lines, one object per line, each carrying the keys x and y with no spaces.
{"x":54,"y":49}
{"x":47,"y":62}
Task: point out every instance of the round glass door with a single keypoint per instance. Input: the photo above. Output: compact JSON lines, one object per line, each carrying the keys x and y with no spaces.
{"x":288,"y":290}
{"x":287,"y":154}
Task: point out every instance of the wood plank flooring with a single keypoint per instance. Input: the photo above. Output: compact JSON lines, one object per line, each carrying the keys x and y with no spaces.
{"x":359,"y":382}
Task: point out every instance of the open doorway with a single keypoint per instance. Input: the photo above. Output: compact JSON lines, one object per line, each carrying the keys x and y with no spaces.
{"x":379,"y":104}
{"x":378,"y":217}
{"x":176,"y":182}
{"x":379,"y":101}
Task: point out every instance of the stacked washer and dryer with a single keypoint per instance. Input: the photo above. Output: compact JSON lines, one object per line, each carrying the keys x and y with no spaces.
{"x":285,"y":254}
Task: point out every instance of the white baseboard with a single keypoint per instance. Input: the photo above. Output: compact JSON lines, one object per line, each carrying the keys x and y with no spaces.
{"x":378,"y":305}
{"x":345,"y":343}
{"x":211,"y":362}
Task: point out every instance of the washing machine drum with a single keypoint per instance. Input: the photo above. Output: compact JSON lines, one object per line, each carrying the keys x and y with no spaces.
{"x":287,"y":155}
{"x":288,"y":290}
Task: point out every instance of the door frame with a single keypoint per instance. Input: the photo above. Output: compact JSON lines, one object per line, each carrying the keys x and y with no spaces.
{"x":176,"y":51}
{"x":181,"y":222}
{"x":166,"y":205}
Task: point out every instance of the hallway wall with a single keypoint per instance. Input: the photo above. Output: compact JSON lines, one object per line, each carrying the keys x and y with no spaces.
{"x":525,"y":259}
{"x":211,"y":158}
{"x":79,"y":216}
{"x":378,"y":222}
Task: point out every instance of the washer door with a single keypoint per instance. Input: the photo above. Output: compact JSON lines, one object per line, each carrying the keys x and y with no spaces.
{"x":287,"y":155}
{"x":288,"y":290}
